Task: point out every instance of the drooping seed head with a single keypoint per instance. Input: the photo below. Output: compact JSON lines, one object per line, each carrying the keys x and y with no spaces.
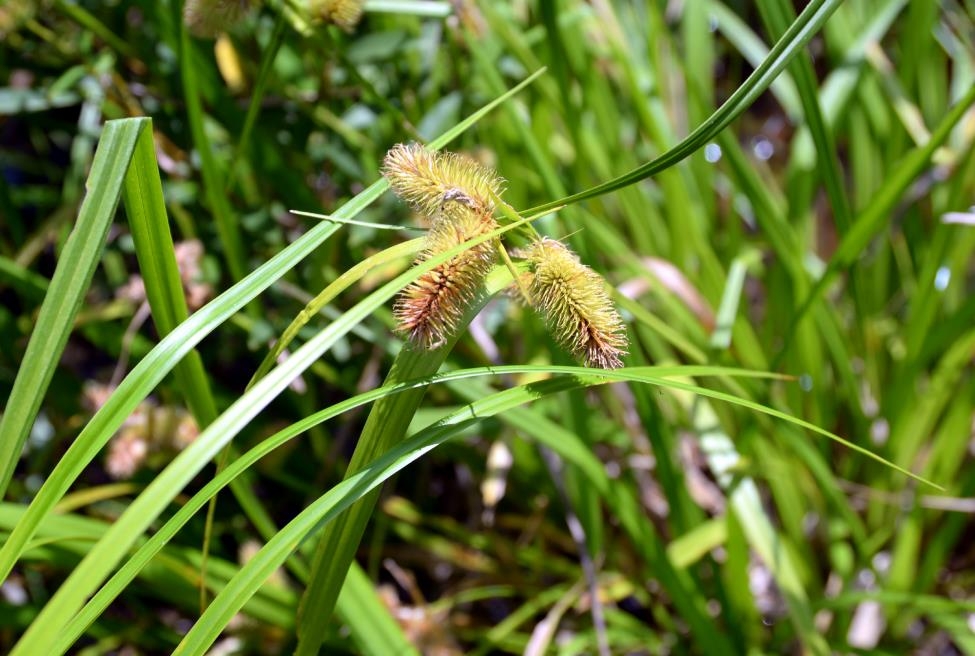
{"x":573,"y":299}
{"x":429,"y":310}
{"x":343,"y":13}
{"x":208,"y":18}
{"x":435,"y":183}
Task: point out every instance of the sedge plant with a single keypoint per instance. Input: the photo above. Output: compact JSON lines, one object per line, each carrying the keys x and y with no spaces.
{"x":783,"y":216}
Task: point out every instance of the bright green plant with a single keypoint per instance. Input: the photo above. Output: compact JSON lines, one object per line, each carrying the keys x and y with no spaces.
{"x":658,"y":495}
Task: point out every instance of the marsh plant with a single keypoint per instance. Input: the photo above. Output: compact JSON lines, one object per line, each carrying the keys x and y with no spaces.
{"x":459,"y":196}
{"x":694,"y":376}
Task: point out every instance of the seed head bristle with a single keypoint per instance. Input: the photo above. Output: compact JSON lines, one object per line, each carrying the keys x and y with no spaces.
{"x":435,"y":183}
{"x":430,"y":309}
{"x":573,"y":299}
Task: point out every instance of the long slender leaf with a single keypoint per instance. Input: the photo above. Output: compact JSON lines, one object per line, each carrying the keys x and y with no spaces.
{"x":146,"y":212}
{"x":67,"y":291}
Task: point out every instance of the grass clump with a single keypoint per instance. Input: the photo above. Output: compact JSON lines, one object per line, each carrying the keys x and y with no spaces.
{"x":765,"y":224}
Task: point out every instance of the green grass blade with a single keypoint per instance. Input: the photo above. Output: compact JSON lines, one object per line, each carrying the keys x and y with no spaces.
{"x":146,"y":212}
{"x":724,"y":319}
{"x":426,"y":8}
{"x":743,"y":38}
{"x":777,"y":15}
{"x":370,"y":624}
{"x":340,"y":284}
{"x":799,"y":422}
{"x":90,"y":22}
{"x":257,"y":96}
{"x":29,"y":283}
{"x":838,"y":88}
{"x":75,"y":269}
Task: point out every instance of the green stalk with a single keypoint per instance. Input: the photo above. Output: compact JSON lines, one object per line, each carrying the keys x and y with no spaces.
{"x":385,"y":426}
{"x":233,"y":249}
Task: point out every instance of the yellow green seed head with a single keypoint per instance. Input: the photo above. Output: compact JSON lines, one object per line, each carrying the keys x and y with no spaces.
{"x":573,"y":299}
{"x":343,"y":13}
{"x":208,"y":18}
{"x":438,"y":184}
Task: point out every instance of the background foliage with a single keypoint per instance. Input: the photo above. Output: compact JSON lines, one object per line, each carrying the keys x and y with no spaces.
{"x":825,"y":234}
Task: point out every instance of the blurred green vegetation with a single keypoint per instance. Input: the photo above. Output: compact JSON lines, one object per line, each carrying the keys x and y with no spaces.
{"x":826,"y":234}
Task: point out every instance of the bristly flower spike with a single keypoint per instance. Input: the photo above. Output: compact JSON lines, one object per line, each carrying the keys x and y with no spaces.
{"x":430,"y":308}
{"x":457,"y":193}
{"x":343,"y":13}
{"x":438,"y":184}
{"x":573,"y":299}
{"x":208,"y":18}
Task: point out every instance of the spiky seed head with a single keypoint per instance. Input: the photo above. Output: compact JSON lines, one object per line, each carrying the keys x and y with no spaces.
{"x":343,"y":13}
{"x":436,"y":184}
{"x":208,"y":18}
{"x":573,"y":299}
{"x":430,"y":309}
